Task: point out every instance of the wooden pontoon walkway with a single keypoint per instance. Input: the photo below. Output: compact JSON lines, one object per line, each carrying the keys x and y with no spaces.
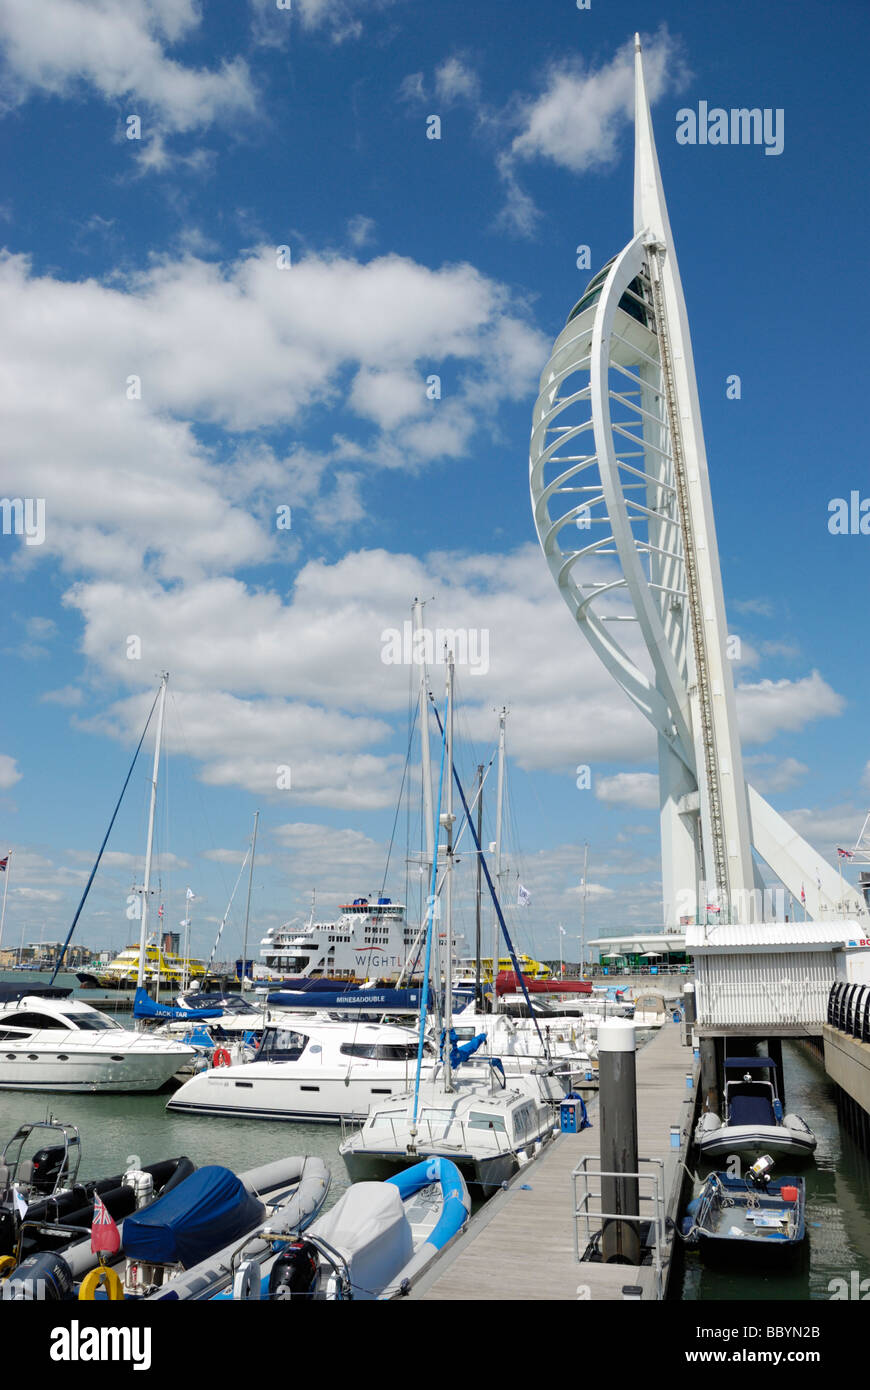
{"x":520,"y":1245}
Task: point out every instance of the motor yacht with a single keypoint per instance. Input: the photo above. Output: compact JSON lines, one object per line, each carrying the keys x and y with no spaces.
{"x":313,"y":1068}
{"x":52,"y":1042}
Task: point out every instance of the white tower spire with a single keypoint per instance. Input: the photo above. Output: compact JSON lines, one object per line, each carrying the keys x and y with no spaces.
{"x":618,"y":468}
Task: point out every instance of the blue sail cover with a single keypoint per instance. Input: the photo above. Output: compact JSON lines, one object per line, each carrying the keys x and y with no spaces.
{"x":208,"y":1210}
{"x":364,"y":1000}
{"x":145,"y":1007}
{"x":460,"y":1053}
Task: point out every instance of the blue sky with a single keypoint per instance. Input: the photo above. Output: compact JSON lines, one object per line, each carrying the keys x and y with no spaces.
{"x":306,"y":387}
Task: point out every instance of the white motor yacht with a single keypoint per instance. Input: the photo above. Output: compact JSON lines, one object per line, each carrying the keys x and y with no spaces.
{"x":52,"y":1042}
{"x":312,"y":1068}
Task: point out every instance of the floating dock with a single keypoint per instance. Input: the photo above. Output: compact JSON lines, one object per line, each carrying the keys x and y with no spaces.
{"x":523,"y":1243}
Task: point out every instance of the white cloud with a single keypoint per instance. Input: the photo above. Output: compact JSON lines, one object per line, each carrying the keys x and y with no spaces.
{"x":768,"y":773}
{"x":456,"y":80}
{"x":639,"y":789}
{"x":770,"y":707}
{"x":579,"y":118}
{"x":70,"y":695}
{"x":9,"y":773}
{"x":247,"y":347}
{"x":118,"y":48}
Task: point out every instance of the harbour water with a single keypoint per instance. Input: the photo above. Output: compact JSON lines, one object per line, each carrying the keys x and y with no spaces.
{"x":838,"y":1204}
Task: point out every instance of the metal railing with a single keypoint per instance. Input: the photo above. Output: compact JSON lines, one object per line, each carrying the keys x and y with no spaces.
{"x":592,"y":1221}
{"x":849,"y":1009}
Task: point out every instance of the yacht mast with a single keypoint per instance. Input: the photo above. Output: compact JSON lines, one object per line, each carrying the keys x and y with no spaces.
{"x":248,"y":904}
{"x":146,"y":885}
{"x":477,"y":933}
{"x":447,"y":820}
{"x":498,"y":810}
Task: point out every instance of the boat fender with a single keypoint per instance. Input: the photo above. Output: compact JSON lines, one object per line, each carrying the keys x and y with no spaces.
{"x":105,"y":1276}
{"x":246,"y":1284}
{"x":42,"y":1278}
{"x":221,"y":1058}
{"x":294,"y":1272}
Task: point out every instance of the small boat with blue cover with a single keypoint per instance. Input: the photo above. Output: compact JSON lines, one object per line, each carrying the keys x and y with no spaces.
{"x":373,"y":1244}
{"x":753,"y":1123}
{"x":753,"y":1220}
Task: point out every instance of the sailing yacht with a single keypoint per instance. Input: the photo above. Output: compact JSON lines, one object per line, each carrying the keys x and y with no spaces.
{"x":488,"y":1128}
{"x":488,"y":1123}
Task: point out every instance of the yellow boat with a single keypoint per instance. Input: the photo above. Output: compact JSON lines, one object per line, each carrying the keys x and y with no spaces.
{"x":533,"y":969}
{"x":170,"y":969}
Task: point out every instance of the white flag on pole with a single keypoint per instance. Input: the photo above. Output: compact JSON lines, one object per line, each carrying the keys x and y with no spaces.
{"x":524,"y":897}
{"x":190,"y":896}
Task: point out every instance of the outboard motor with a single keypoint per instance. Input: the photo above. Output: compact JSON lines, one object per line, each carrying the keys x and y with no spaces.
{"x":43,"y":1278}
{"x":47,"y":1164}
{"x":294,"y":1273}
{"x":142,"y":1184}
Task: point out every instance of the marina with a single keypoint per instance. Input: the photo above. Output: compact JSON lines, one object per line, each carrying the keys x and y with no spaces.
{"x":438,"y":970}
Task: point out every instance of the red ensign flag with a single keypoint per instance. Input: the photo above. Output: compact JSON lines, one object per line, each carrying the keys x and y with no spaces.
{"x":104,"y":1233}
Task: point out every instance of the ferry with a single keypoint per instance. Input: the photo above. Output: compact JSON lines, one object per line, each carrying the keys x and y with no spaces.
{"x":531,"y":969}
{"x":160,"y":965}
{"x":369,"y":941}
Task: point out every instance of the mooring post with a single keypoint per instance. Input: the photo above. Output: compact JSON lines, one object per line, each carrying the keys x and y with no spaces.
{"x":709,"y":1075}
{"x":689,"y":1012}
{"x":617,"y":1109}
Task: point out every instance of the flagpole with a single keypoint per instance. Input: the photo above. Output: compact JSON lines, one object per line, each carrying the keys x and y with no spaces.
{"x":5,"y":891}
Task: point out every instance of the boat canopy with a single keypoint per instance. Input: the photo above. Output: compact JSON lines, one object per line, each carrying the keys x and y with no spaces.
{"x":145,"y":1007}
{"x":208,"y":1210}
{"x":366,"y":1000}
{"x":10,"y":992}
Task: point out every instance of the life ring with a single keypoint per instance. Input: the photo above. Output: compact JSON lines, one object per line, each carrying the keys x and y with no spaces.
{"x":101,"y":1275}
{"x":221,"y":1058}
{"x":7,"y":1264}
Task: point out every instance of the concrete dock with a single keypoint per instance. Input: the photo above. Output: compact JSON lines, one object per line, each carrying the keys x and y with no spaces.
{"x":521,"y":1244}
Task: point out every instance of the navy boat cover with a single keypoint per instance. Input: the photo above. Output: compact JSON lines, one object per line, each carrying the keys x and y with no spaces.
{"x":145,"y":1007}
{"x":205,"y":1212}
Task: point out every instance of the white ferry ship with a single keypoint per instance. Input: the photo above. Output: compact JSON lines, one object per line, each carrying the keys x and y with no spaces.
{"x":370,"y":941}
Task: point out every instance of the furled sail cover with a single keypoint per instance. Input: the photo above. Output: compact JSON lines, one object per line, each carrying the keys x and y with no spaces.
{"x":208,"y":1210}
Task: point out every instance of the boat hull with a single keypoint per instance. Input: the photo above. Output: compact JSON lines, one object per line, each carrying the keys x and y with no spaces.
{"x":63,"y":1070}
{"x":752,"y":1141}
{"x":262,"y":1091}
{"x":484,"y":1176}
